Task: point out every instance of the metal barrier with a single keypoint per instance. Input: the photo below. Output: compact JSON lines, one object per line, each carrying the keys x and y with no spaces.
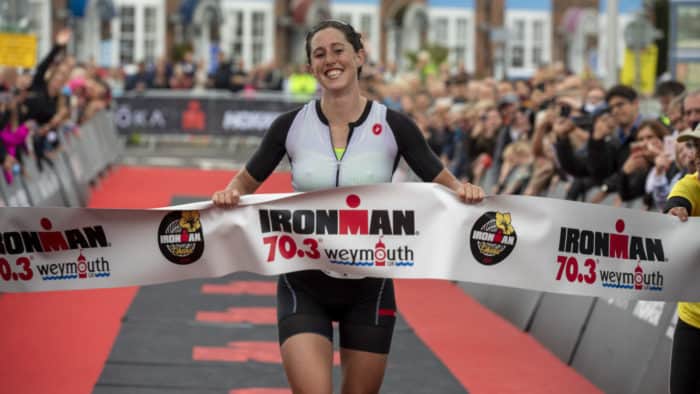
{"x":43,"y":187}
{"x":619,"y":342}
{"x":83,"y":156}
{"x":620,"y":348}
{"x":14,"y":194}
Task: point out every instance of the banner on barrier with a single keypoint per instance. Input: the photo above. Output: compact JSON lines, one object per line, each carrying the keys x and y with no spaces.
{"x":526,"y":242}
{"x":228,"y":116}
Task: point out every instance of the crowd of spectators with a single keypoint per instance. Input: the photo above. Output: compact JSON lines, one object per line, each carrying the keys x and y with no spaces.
{"x":36,"y":106}
{"x":555,"y":129}
{"x":517,"y":137}
{"x":514,"y":136}
{"x":188,"y":73}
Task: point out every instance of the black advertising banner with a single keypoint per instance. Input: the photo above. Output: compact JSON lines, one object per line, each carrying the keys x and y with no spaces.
{"x":206,"y":114}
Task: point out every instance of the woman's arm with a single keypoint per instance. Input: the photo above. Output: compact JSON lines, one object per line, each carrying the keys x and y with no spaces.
{"x":241,"y":184}
{"x":466,"y":191}
{"x":62,"y":39}
{"x":261,"y":164}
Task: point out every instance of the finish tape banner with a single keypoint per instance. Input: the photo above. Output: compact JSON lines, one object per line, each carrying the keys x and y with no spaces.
{"x":407,"y":230}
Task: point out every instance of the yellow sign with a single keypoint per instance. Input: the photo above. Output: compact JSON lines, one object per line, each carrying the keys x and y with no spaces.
{"x":648,"y":59}
{"x":17,"y":50}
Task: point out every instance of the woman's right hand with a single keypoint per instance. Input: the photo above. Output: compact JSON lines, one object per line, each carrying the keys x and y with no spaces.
{"x":680,"y":212}
{"x":63,"y":36}
{"x":227,"y":198}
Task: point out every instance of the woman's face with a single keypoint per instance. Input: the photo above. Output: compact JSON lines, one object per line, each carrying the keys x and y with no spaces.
{"x":692,"y":149}
{"x":685,"y":155}
{"x":647,"y":137}
{"x":334,"y":61}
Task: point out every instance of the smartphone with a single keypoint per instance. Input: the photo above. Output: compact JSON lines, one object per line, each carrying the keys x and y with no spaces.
{"x":670,"y":146}
{"x":564,"y":111}
{"x":584,"y":122}
{"x":636,"y":147}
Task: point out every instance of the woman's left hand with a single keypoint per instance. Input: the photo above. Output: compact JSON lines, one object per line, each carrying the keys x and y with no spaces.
{"x":470,"y":193}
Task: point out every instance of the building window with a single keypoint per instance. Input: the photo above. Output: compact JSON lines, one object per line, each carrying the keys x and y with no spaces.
{"x":537,"y":56}
{"x":462,"y":26}
{"x":517,"y":56}
{"x":37,"y":15}
{"x":237,"y":36}
{"x":440,"y":26}
{"x":461,"y":40}
{"x":258,"y":30}
{"x":517,"y":44}
{"x":126,"y":34}
{"x":538,"y":31}
{"x":538,"y":43}
{"x":366,"y":26}
{"x":150,"y":33}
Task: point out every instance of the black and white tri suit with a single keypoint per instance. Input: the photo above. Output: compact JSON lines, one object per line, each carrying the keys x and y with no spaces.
{"x":308,"y":301}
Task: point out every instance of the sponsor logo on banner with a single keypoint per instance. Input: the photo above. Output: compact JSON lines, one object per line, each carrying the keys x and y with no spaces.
{"x":237,"y":120}
{"x":342,"y":222}
{"x":81,"y":268}
{"x":180,"y":237}
{"x":194,"y":118}
{"x":17,"y":249}
{"x":49,"y":240}
{"x":126,"y":118}
{"x":338,"y":222}
{"x":492,"y":237}
{"x":594,"y":245}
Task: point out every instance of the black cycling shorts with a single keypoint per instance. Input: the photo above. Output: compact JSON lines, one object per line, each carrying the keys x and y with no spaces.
{"x":365,"y":309}
{"x":685,"y":359}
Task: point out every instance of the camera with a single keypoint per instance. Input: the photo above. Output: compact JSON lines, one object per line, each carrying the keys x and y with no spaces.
{"x":637,"y":147}
{"x":564,"y":111}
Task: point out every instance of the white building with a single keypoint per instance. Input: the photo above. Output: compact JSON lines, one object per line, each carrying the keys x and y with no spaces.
{"x":363,"y":15}
{"x":246,"y":30}
{"x":452,"y":25}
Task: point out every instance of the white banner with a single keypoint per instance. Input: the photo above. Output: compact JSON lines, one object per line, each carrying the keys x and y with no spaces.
{"x":408,"y":230}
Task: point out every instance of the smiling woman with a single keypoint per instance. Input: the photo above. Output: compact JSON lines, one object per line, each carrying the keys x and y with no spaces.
{"x":343,"y":139}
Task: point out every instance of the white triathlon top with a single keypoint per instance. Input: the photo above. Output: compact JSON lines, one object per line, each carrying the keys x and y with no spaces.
{"x":376,"y":142}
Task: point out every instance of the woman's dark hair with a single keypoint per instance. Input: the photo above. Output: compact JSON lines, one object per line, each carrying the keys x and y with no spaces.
{"x":353,"y":37}
{"x":623,"y":91}
{"x":656,"y":127}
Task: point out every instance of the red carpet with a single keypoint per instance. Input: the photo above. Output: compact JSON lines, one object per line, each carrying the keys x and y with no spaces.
{"x":58,"y":342}
{"x":482,"y":350}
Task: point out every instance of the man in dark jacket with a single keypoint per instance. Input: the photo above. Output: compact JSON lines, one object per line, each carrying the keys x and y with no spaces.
{"x":607,"y":152}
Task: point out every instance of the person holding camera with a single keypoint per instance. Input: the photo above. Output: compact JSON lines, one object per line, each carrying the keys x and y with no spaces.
{"x":609,"y":148}
{"x":570,"y":146}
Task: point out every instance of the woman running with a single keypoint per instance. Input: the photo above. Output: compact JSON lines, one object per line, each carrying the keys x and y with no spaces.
{"x":343,"y":139}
